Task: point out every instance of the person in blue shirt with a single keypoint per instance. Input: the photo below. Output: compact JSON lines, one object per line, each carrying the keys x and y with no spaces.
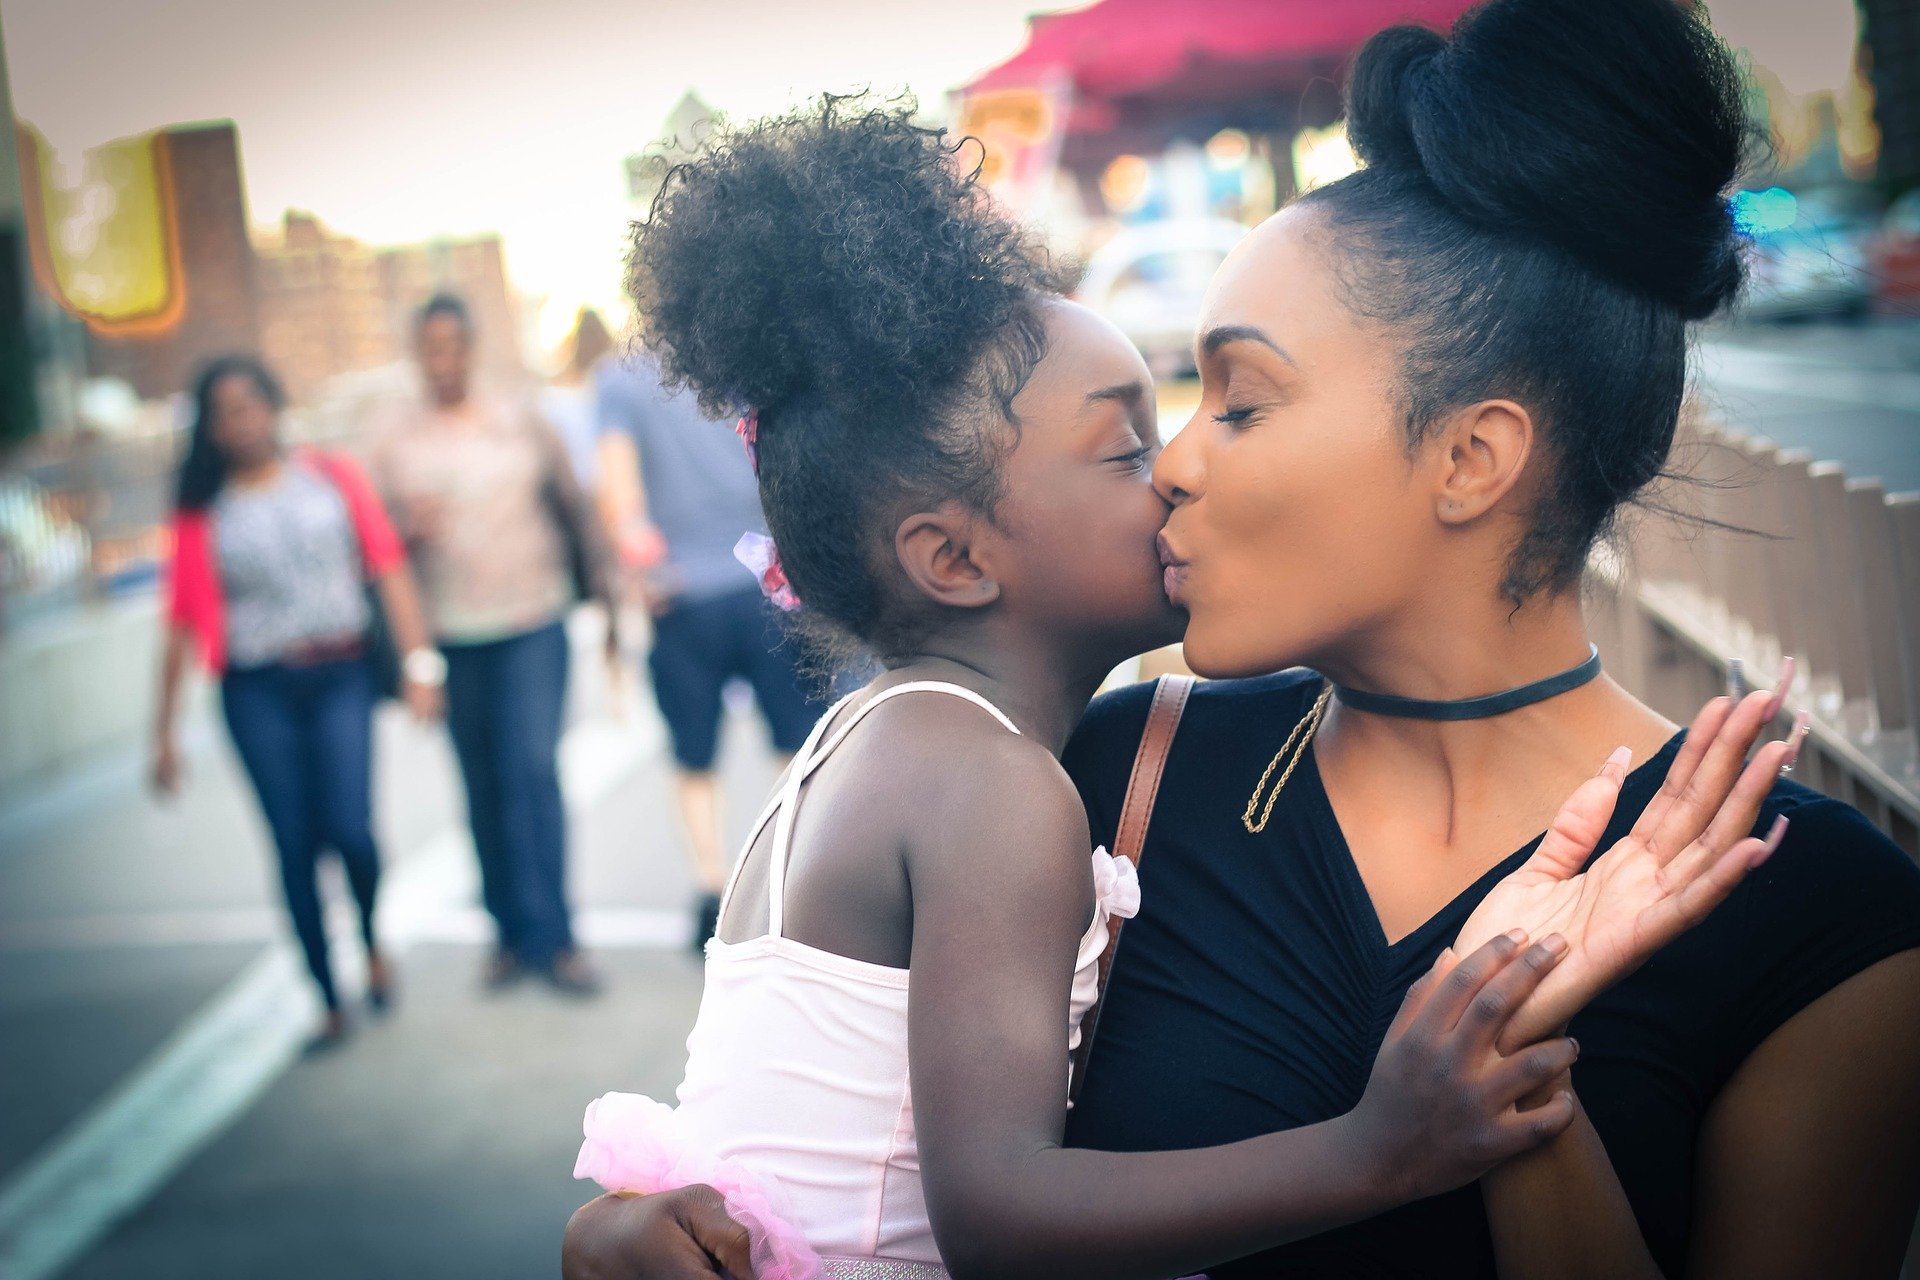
{"x":677,"y":492}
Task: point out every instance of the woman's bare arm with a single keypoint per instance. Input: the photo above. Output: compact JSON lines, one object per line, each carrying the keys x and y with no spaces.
{"x":400,"y":597}
{"x":1808,"y":1164}
{"x":177,"y":654}
{"x":1809,"y":1160}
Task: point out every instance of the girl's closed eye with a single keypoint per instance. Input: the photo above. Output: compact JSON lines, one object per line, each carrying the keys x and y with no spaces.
{"x":1133,"y":459}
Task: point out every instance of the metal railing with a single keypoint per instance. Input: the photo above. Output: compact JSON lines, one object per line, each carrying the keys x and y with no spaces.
{"x":1771,"y":552}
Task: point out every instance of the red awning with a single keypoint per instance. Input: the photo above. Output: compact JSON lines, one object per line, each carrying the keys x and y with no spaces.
{"x":1195,"y":49}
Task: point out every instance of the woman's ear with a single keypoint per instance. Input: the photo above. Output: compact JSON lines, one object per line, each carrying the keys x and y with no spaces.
{"x":1485,"y":448}
{"x":937,"y":552}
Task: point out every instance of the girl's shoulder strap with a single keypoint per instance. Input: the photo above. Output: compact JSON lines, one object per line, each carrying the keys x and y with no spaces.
{"x":813,"y":754}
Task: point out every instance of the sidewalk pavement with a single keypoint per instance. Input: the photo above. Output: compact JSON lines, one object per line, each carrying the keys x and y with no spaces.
{"x":160,"y":1121}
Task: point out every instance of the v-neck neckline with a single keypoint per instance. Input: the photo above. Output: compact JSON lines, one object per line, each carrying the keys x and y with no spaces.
{"x":1449,"y":914}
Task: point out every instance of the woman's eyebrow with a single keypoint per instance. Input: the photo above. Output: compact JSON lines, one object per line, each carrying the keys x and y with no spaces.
{"x":1221,"y":335}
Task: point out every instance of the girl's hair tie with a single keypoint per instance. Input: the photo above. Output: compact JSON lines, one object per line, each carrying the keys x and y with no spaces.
{"x":757,"y":552}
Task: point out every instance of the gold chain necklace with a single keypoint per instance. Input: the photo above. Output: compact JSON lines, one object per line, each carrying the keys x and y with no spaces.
{"x":1304,"y":731}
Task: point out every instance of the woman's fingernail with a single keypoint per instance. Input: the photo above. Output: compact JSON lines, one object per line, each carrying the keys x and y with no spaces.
{"x":1775,"y":833}
{"x":1516,"y":936}
{"x":1556,"y":945}
{"x":1621,"y":758}
{"x":1781,"y":686}
{"x":1575,"y":1044}
{"x":1794,"y":742}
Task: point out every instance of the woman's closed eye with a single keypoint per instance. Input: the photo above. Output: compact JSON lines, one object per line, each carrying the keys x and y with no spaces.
{"x":1236,"y":417}
{"x":1132,"y":459}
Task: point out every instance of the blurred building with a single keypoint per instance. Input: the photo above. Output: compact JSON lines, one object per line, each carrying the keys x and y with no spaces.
{"x":331,"y":305}
{"x":687,"y":126}
{"x":147,"y":242}
{"x":322,"y":310}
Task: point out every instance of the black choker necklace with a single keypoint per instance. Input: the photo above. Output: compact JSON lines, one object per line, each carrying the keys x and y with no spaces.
{"x":1493,"y":704}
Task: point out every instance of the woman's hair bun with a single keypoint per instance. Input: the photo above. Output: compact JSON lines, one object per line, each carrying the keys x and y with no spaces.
{"x":1384,"y":92}
{"x":1611,"y":128}
{"x":842,"y":251}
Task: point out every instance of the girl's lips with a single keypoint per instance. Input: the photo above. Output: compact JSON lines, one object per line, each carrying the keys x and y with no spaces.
{"x":1173,"y":576}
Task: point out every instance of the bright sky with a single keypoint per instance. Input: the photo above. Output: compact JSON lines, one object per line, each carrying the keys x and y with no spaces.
{"x":395,"y":122}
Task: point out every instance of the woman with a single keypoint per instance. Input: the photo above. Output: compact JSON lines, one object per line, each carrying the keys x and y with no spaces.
{"x":1426,"y":391}
{"x":272,"y":554}
{"x":505,"y":544}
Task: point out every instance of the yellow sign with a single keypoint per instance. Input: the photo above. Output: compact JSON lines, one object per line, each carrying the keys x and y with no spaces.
{"x":105,"y":240}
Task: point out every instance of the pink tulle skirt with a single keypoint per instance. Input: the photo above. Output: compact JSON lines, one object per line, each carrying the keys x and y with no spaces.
{"x":634,"y":1143}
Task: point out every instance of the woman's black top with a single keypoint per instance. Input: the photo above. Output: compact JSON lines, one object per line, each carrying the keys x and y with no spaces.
{"x":1254,"y":988}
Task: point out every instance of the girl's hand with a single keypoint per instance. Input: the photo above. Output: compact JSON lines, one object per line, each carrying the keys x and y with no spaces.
{"x":1683,"y":857}
{"x":683,"y":1234}
{"x":1439,"y":1109}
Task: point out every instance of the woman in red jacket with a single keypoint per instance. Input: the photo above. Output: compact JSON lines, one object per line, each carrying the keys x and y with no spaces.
{"x":273,"y":551}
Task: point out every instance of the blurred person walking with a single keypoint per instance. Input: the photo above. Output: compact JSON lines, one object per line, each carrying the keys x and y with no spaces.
{"x":273,"y":551}
{"x":568,"y":402}
{"x":676,"y":493}
{"x":505,"y":543}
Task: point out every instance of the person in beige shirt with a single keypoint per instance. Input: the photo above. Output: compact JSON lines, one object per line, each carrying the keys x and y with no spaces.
{"x":503,"y":541}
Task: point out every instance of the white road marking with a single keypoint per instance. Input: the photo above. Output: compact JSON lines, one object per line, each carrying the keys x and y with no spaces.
{"x":219,"y":1062}
{"x":602,"y":928}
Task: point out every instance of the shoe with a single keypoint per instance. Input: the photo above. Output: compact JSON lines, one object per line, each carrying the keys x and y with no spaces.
{"x":332,"y":1034}
{"x":502,"y":971}
{"x":379,"y":982}
{"x":570,"y":974}
{"x":706,"y":921}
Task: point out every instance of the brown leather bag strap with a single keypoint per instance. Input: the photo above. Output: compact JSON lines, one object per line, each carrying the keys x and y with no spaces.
{"x":1130,"y":837}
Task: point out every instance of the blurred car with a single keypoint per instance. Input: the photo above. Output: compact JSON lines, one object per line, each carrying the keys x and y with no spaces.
{"x":1896,"y":256}
{"x":1150,"y":281}
{"x":1817,"y":262}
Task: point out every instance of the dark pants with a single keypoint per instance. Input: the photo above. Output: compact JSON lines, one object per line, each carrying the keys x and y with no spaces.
{"x":505,"y":703}
{"x":305,"y":735}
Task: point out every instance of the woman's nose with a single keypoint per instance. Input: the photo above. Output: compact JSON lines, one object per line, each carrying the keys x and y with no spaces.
{"x":1177,"y":471}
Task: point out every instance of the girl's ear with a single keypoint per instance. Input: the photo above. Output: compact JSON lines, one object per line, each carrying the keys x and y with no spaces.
{"x":936,"y":552}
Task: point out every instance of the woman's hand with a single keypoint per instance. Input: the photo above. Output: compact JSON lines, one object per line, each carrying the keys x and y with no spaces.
{"x":1689,"y":849}
{"x":683,"y":1234}
{"x":426,"y":701}
{"x":1440,"y":1106}
{"x":163,"y":771}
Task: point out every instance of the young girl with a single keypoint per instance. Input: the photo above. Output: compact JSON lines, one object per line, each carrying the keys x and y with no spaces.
{"x":954,"y":466}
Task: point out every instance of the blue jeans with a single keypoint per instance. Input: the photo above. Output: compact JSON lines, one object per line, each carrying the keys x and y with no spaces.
{"x":305,"y":736}
{"x":506,"y":700}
